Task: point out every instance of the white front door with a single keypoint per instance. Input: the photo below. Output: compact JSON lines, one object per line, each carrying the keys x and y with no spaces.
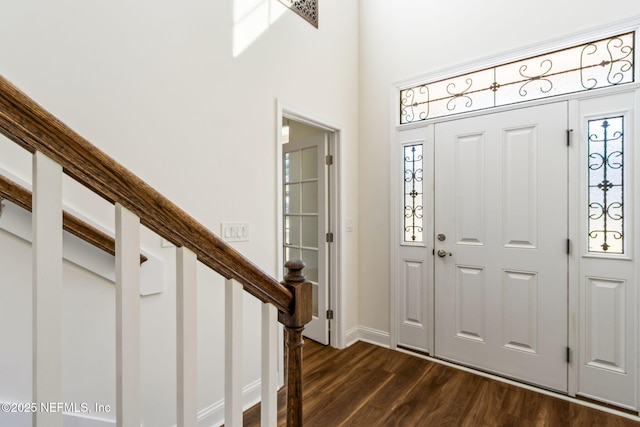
{"x":306,"y":221}
{"x":501,"y":252}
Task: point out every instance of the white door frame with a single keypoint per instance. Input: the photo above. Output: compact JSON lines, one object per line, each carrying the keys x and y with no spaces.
{"x":335,"y":148}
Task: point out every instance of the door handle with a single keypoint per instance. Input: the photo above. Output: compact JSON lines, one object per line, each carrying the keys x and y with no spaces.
{"x":442,"y":253}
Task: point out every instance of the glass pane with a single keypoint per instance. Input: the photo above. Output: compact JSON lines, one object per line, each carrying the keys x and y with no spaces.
{"x":292,"y":198}
{"x":310,"y":258}
{"x":606,"y":185}
{"x":310,"y":197}
{"x":292,"y":254}
{"x":292,"y":166}
{"x":413,"y":164}
{"x":292,"y":230}
{"x":310,"y":163}
{"x":310,"y":231}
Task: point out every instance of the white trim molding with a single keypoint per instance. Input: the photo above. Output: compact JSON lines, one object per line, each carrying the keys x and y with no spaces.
{"x":366,"y":334}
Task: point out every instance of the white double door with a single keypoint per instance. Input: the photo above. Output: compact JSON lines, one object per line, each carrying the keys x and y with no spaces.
{"x":500,"y":256}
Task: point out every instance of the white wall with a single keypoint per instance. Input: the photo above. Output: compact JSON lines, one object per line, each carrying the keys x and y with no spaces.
{"x":407,"y":38}
{"x":163,"y":87}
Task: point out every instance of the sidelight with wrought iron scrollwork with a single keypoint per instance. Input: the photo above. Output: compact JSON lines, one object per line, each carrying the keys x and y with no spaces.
{"x":413,"y":202}
{"x":606,"y":185}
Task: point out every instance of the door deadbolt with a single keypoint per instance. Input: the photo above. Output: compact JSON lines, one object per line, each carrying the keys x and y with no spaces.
{"x":442,"y":237}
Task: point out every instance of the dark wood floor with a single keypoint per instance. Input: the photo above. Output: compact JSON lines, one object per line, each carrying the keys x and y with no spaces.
{"x":367,"y":385}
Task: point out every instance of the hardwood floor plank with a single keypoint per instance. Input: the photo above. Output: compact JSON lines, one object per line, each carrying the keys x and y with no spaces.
{"x":366,"y":385}
{"x":355,"y":392}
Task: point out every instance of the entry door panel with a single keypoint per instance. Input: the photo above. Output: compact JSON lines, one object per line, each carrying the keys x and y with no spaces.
{"x":501,"y":271}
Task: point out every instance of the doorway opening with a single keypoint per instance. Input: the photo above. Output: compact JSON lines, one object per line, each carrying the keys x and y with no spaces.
{"x":308,"y":220}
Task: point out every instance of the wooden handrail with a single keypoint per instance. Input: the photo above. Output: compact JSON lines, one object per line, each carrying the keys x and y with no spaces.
{"x":20,"y":196}
{"x":32,"y":127}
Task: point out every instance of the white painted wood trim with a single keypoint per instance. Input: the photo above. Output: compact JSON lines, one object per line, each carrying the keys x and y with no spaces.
{"x":186,"y":336}
{"x":269,"y":381}
{"x":573,"y":297}
{"x":47,"y":288}
{"x":127,"y":318}
{"x":233,"y":354}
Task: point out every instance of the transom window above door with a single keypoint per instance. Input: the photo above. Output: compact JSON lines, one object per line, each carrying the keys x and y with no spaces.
{"x":597,"y":64}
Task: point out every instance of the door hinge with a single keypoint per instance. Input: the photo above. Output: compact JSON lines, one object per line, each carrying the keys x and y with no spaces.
{"x":568,"y":246}
{"x":329,"y":314}
{"x":329,"y":237}
{"x":569,"y":131}
{"x":568,"y":355}
{"x":328,"y":160}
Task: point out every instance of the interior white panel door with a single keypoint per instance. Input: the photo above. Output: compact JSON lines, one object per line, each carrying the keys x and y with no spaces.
{"x":501,"y":271}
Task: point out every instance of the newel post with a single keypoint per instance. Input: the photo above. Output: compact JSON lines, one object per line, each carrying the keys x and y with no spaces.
{"x":294,"y":324}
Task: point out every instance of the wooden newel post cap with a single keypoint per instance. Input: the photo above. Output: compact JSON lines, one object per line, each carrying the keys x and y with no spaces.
{"x":294,"y":271}
{"x":301,"y":305}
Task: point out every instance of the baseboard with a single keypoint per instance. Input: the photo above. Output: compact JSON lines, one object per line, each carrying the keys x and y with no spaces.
{"x":370,"y":335}
{"x":213,"y":416}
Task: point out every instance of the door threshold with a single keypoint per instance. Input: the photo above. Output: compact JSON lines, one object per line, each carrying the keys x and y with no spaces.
{"x":414,"y":350}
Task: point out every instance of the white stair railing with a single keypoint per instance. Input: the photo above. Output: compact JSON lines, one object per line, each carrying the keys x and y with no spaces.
{"x":47,"y":319}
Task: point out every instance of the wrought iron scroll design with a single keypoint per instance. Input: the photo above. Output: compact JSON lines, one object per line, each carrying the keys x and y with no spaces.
{"x":593,"y":65}
{"x":413,"y":202}
{"x":606,"y":185}
{"x":308,"y":9}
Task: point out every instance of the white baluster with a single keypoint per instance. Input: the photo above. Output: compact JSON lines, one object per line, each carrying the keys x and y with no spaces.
{"x":233,"y":354}
{"x":269,"y":385}
{"x":186,"y":327}
{"x":47,"y":289}
{"x":127,"y":318}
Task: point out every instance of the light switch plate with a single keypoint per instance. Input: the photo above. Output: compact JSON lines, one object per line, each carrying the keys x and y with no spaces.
{"x":235,"y":231}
